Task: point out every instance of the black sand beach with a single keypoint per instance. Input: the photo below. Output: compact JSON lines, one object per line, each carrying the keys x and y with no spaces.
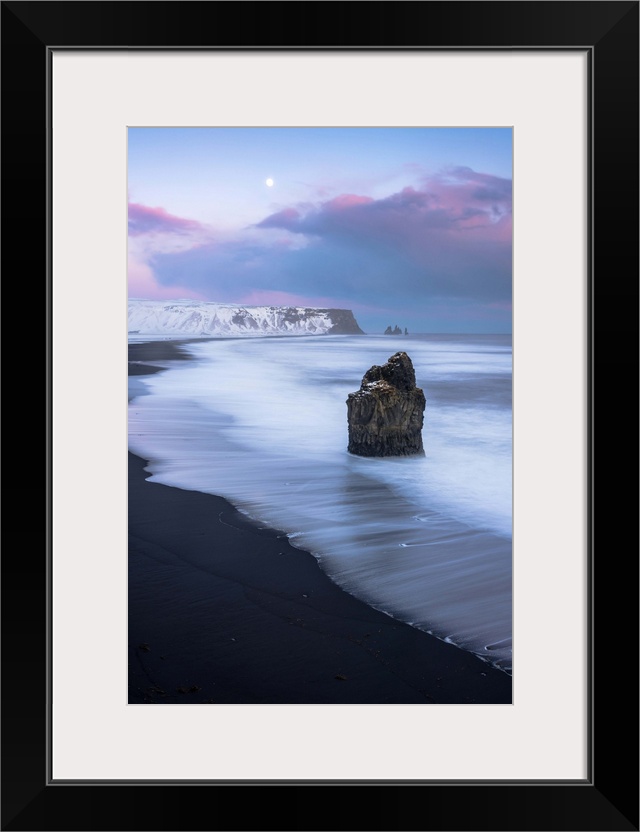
{"x":222,"y":611}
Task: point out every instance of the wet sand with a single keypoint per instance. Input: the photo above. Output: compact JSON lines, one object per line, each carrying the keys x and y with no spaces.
{"x":224,"y":611}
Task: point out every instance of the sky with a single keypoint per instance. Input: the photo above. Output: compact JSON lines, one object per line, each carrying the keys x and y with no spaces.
{"x":404,"y":226}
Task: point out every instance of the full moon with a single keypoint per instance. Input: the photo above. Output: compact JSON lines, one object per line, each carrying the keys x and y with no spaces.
{"x":269,"y":183}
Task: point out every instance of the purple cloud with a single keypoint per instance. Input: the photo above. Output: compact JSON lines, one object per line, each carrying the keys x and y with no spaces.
{"x":450,"y":205}
{"x":442,"y":245}
{"x":146,"y":220}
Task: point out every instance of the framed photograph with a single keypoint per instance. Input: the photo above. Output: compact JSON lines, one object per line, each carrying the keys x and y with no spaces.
{"x":248,"y":153}
{"x":263,"y":368}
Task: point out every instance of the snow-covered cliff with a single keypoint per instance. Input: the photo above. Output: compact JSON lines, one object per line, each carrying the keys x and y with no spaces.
{"x":192,"y":318}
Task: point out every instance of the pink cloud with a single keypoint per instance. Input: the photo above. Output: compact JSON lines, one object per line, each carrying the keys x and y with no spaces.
{"x":154,"y":232}
{"x":447,"y":236}
{"x":281,"y":219}
{"x":143,"y":284}
{"x":453,"y":204}
{"x":454,"y":230}
{"x":146,"y":220}
{"x":345,"y":201}
{"x":473,"y":201}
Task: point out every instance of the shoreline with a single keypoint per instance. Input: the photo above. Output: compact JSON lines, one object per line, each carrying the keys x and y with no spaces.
{"x":222,"y":610}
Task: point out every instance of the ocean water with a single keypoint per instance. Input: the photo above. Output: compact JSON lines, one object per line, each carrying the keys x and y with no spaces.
{"x":427,"y":540}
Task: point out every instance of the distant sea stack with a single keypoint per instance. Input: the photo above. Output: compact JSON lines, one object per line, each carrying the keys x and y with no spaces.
{"x":385,"y":416}
{"x":201,"y":319}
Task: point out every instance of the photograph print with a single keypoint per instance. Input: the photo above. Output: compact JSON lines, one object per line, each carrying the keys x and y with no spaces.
{"x":320,"y":415}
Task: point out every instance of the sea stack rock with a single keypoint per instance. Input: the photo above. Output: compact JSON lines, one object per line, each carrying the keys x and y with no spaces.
{"x":386,"y":414}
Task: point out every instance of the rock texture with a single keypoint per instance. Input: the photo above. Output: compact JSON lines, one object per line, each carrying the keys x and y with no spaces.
{"x":385,"y":416}
{"x":344,"y":322}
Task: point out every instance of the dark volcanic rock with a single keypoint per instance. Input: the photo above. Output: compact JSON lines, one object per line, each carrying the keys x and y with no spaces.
{"x":386,"y":415}
{"x":344,"y":322}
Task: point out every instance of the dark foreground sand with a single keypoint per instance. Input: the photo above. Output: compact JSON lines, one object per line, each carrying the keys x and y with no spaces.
{"x":222,"y":611}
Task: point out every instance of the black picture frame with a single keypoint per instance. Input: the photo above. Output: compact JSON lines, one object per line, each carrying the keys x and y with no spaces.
{"x":608,"y":798}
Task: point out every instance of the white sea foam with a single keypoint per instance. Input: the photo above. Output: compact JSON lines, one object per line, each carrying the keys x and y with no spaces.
{"x":427,"y":539}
